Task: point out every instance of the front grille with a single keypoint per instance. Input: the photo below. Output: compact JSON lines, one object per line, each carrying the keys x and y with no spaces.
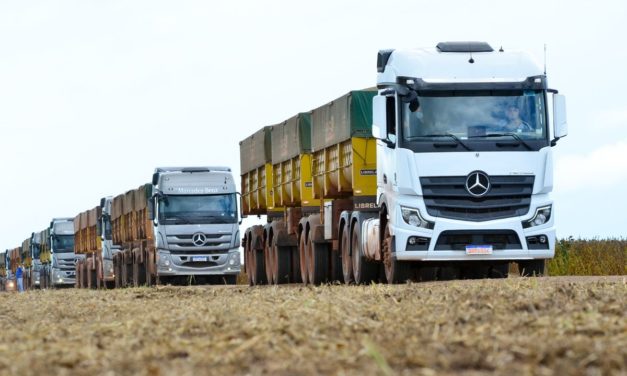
{"x":201,"y":264}
{"x":446,"y":197}
{"x":215,"y":243}
{"x":458,"y":240}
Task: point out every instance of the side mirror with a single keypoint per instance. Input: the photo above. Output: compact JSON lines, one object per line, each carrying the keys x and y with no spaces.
{"x":241,"y":205}
{"x":560,"y":125}
{"x":380,"y":124}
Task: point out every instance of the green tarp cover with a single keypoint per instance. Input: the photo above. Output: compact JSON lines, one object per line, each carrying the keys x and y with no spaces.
{"x":291,"y":138}
{"x":348,"y":116}
{"x":255,"y":151}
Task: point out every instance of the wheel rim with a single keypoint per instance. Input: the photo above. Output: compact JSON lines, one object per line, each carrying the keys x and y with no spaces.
{"x":347,"y":263}
{"x":302,"y":250}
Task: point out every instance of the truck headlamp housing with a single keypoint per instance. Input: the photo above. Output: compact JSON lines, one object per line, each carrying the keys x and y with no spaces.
{"x":541,"y":216}
{"x":234,"y":259}
{"x":412,"y":217}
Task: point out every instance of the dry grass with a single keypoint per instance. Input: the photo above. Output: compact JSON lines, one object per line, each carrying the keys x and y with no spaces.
{"x":559,"y":326}
{"x":589,"y":257}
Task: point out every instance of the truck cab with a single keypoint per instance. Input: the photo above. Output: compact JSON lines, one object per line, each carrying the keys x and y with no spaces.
{"x":196,"y":222}
{"x":464,"y":156}
{"x":63,"y":271}
{"x":35,"y":252}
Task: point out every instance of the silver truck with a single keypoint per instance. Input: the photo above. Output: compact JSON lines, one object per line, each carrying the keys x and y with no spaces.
{"x":196,"y":223}
{"x":64,"y":260}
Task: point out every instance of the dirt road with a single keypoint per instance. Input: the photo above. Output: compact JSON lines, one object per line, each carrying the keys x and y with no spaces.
{"x":565,"y":325}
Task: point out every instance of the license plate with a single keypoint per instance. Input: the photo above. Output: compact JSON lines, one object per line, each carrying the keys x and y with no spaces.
{"x":199,"y":259}
{"x":473,"y":249}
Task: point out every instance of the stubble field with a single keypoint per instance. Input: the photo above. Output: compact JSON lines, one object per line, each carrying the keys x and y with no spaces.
{"x":557,"y":325}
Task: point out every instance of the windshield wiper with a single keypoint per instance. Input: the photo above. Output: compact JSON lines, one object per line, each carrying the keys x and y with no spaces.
{"x":449,"y":135}
{"x":514,"y":135}
{"x":181,"y":219}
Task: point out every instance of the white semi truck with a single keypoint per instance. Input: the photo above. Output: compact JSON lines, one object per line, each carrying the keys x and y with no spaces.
{"x":464,"y":160}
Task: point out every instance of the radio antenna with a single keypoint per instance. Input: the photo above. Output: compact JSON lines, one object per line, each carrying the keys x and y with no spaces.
{"x":545,"y":59}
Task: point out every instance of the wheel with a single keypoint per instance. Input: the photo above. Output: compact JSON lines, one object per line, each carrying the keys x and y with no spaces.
{"x":281,"y":264}
{"x":148,"y":268}
{"x":268,"y":261}
{"x":347,"y":262}
{"x":318,"y":262}
{"x":303,"y":257}
{"x":395,"y":271}
{"x":337,"y":274}
{"x":363,"y":271}
{"x":257,"y":267}
{"x":530,"y":268}
{"x":295,"y":265}
{"x":248,"y":263}
{"x":93,"y":277}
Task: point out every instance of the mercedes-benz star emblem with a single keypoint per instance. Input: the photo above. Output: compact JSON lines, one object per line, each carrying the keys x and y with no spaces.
{"x":477,"y":183}
{"x":199,"y":239}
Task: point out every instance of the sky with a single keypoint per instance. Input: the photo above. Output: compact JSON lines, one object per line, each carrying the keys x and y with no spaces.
{"x":95,"y":94}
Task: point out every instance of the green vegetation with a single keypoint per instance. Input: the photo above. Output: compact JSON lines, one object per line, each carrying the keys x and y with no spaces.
{"x":589,"y":257}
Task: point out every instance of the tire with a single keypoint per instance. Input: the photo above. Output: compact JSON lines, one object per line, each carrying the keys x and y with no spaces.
{"x":303,"y":257}
{"x":318,"y":262}
{"x":347,"y":262}
{"x":148,"y":278}
{"x":281,"y":264}
{"x":295,"y":276}
{"x":337,"y":274}
{"x":395,"y":271}
{"x":363,"y":271}
{"x":93,"y":277}
{"x":530,"y":268}
{"x":257,"y":268}
{"x":268,"y":262}
{"x":248,"y":263}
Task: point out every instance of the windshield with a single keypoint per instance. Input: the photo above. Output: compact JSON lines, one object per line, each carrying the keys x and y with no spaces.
{"x":205,"y":209}
{"x":475,"y":116}
{"x":63,"y":243}
{"x":36,"y":251}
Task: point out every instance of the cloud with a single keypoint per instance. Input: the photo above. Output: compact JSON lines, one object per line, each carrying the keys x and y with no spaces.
{"x":601,"y":168}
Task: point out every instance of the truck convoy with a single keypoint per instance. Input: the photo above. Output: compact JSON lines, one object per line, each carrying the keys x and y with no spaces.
{"x":183,"y":226}
{"x":445,"y":171}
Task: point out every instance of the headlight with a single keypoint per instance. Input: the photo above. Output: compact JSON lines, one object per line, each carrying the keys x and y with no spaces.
{"x":412,"y":217}
{"x":542,"y":216}
{"x":234,"y":259}
{"x":164,"y":259}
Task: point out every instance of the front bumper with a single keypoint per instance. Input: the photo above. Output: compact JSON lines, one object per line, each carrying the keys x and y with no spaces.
{"x":63,"y":277}
{"x":437,"y":249}
{"x":227,"y":263}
